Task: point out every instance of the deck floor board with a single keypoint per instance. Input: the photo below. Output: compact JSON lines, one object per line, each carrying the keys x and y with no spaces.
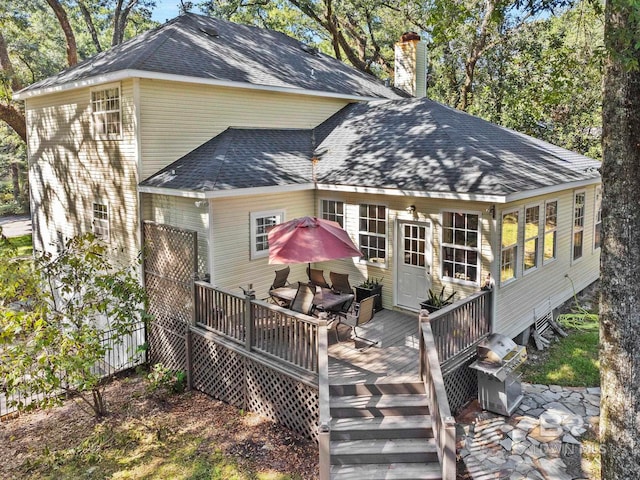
{"x":395,"y":358}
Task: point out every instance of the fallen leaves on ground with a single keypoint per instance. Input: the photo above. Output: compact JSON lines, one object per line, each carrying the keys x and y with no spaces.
{"x":151,"y":435}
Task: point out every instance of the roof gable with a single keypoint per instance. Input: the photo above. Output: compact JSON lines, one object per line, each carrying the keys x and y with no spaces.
{"x":206,"y":48}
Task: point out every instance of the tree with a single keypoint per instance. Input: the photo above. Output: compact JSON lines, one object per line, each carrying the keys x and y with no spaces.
{"x":60,"y":317}
{"x":620,"y":257}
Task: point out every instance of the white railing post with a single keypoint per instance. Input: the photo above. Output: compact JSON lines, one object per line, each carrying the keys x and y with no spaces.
{"x":324,"y":420}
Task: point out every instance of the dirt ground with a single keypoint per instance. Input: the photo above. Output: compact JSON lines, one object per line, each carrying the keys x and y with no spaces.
{"x":250,"y":441}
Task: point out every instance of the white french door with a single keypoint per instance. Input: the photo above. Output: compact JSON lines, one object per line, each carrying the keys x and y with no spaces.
{"x":413,"y":263}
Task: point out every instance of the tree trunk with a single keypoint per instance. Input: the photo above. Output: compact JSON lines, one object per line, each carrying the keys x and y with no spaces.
{"x":86,"y":14}
{"x":620,"y":256}
{"x":15,"y":178}
{"x":63,"y":20}
{"x":15,"y":119}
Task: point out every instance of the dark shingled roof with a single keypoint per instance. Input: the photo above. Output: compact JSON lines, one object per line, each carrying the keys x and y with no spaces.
{"x":412,"y":144}
{"x":241,"y":158}
{"x":214,"y":49}
{"x":422,"y":145}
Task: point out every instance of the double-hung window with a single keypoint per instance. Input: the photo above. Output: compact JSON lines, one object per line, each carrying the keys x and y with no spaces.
{"x":550,"y":231}
{"x":105,"y":112}
{"x":373,"y":232}
{"x":531,"y":237}
{"x":509,"y":246}
{"x":100,"y":223}
{"x":259,"y":231}
{"x":597,"y":227}
{"x":461,"y":246}
{"x":332,"y":210}
{"x":578,"y":224}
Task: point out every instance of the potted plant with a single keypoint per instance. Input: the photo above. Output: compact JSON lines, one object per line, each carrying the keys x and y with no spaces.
{"x":436,"y":301}
{"x":371,"y":286}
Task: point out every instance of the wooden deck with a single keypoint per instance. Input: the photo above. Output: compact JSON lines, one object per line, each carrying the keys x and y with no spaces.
{"x":393,"y":359}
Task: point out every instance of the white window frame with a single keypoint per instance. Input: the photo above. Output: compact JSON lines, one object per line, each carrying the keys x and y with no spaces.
{"x":515,"y":246}
{"x":100,"y":216}
{"x":366,"y":232}
{"x":477,"y":249}
{"x":254,"y":230}
{"x":538,"y":238}
{"x":545,"y":232}
{"x":99,"y":115}
{"x":333,"y":216}
{"x":597,"y":218}
{"x":578,"y":228}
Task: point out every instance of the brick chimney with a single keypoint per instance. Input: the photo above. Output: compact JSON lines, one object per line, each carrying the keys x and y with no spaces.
{"x":410,"y":65}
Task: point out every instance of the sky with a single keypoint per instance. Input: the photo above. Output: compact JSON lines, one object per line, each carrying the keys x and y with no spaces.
{"x":165,"y":10}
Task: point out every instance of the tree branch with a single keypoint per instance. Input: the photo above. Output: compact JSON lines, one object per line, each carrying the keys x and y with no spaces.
{"x":15,"y":119}
{"x":90,"y":25}
{"x":63,"y":20}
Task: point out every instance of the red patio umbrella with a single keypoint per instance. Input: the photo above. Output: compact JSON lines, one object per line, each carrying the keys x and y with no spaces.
{"x":308,"y":240}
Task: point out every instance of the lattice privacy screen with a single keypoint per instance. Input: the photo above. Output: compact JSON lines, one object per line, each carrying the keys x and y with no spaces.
{"x":170,"y":263}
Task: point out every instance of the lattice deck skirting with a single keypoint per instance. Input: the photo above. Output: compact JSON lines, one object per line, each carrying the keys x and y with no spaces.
{"x":230,"y":376}
{"x":461,"y":386}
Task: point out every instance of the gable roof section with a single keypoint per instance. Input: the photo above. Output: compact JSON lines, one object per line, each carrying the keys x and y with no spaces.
{"x":207,"y":49}
{"x":241,"y":158}
{"x":415,"y":146}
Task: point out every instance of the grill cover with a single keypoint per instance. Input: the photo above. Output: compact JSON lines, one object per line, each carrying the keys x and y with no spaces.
{"x":495,"y":348}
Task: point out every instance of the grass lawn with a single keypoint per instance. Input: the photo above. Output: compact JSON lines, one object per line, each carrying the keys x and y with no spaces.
{"x":23,"y":245}
{"x":571,"y":361}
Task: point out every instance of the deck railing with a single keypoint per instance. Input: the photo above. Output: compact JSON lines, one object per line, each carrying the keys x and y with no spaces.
{"x":444,"y":425}
{"x":460,"y":325}
{"x":275,"y":332}
{"x":324,"y":416}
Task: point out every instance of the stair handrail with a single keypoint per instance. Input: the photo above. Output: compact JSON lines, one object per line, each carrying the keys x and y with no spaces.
{"x":324,"y":420}
{"x":444,"y":425}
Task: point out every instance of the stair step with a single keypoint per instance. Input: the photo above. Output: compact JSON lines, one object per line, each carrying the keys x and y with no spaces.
{"x":380,"y":451}
{"x":377,"y":388}
{"x":387,"y":471}
{"x":358,"y":428}
{"x":379,"y":405}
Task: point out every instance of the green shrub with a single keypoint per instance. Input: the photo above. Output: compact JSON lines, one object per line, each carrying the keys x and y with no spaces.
{"x":162,"y":378}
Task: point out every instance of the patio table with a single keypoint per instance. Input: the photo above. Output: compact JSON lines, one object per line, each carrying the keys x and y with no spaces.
{"x":324,"y":299}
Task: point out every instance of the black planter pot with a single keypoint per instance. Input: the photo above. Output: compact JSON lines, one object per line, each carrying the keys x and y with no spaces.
{"x":362,"y":293}
{"x":432,"y":308}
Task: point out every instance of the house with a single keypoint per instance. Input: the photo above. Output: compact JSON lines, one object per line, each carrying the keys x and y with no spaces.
{"x":226,"y":129}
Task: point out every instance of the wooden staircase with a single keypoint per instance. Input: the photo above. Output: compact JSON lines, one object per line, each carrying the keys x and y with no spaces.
{"x":382,"y":431}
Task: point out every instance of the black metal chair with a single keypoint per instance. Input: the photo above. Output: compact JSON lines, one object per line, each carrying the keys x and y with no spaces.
{"x":303,"y":301}
{"x":364,"y":316}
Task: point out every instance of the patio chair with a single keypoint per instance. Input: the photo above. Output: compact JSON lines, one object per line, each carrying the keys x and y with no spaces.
{"x":364,"y":316}
{"x":316,"y":277}
{"x":280,"y":281}
{"x":340,"y":282}
{"x":303,"y":301}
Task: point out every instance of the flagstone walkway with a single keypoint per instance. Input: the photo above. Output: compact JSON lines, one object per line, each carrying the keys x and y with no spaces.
{"x":541,"y":440}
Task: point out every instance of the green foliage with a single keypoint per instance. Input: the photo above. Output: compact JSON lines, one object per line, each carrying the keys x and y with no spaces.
{"x":371,"y":282}
{"x":162,"y":378}
{"x":439,"y":299}
{"x":57,"y":313}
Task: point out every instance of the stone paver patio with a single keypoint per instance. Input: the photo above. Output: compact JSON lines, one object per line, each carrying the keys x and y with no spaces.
{"x":536,"y":441}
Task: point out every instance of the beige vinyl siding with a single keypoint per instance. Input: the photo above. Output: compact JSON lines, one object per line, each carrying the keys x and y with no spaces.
{"x":182,"y":213}
{"x":427,"y":210}
{"x":231,"y":247}
{"x":69,"y":169}
{"x":178,"y":117}
{"x":553,"y":281}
